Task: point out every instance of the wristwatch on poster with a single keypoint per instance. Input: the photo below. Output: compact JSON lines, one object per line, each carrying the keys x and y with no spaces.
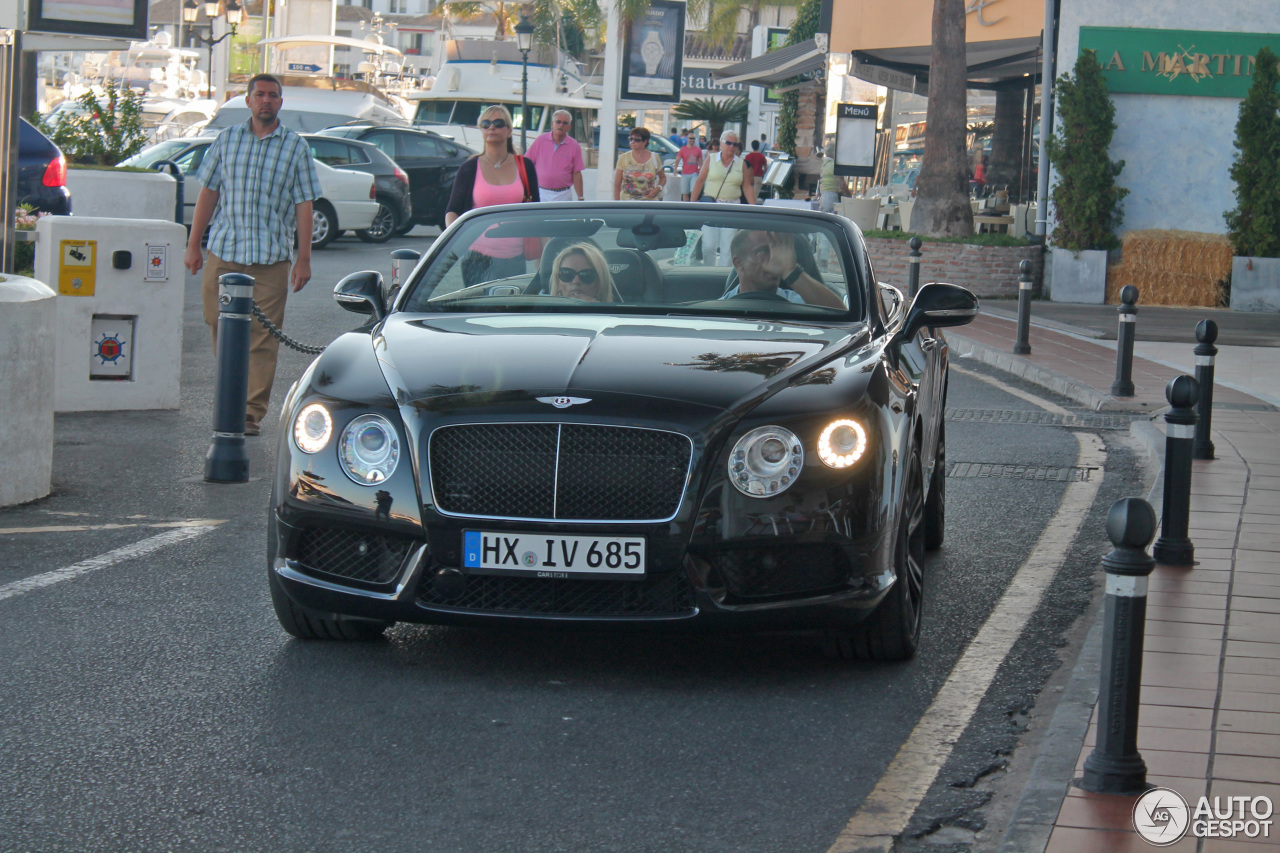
{"x":651,"y":52}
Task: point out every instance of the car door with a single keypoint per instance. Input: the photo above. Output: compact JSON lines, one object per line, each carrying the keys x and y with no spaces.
{"x":429,"y":162}
{"x":189,"y":162}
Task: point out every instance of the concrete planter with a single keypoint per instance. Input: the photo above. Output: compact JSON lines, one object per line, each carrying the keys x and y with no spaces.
{"x":120,"y":194}
{"x":1255,"y":284}
{"x":27,"y":326}
{"x":1079,"y":276}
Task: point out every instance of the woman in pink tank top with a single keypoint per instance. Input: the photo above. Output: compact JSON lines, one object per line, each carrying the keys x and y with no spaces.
{"x":495,"y":176}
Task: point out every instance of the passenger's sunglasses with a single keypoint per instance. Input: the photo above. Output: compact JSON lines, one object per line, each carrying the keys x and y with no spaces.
{"x":568,"y":274}
{"x":497,"y":123}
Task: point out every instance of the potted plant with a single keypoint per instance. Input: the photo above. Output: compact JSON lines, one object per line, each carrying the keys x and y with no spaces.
{"x":1086,"y":199}
{"x":1254,"y":225}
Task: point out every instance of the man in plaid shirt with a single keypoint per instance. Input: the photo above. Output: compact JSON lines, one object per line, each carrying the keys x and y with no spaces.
{"x":258,"y":183}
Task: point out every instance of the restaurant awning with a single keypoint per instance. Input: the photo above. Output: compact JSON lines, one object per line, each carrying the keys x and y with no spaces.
{"x":772,"y":68}
{"x":989,"y":62}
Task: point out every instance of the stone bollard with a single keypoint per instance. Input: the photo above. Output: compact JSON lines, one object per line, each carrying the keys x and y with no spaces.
{"x":1115,"y":766}
{"x":1123,"y":386}
{"x":1022,"y":346}
{"x":1173,"y":548}
{"x":913,"y":271}
{"x":1206,"y":334}
{"x":227,"y":460}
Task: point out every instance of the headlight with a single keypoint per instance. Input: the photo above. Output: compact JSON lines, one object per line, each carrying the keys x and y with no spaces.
{"x":369,"y":449}
{"x":842,"y":443}
{"x":766,"y":461}
{"x":312,"y":428}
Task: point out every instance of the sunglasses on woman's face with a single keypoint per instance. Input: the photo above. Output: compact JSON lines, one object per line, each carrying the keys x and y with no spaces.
{"x":497,"y":123}
{"x":732,"y":144}
{"x":587,"y":276}
{"x":637,"y":139}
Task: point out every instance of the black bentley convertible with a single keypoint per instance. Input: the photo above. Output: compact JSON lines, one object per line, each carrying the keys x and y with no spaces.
{"x":668,"y":414}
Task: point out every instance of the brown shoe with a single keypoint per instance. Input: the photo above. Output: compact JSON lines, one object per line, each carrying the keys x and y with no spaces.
{"x":251,"y":426}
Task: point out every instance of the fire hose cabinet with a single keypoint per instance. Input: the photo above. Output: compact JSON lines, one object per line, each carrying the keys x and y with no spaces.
{"x":118,"y":330}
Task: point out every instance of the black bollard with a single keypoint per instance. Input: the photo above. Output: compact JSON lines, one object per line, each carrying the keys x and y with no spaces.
{"x":1123,"y":386}
{"x":913,"y":271}
{"x":1023,"y":345}
{"x":227,"y":460}
{"x":398,"y":273}
{"x":1173,"y":548}
{"x":1206,"y":334}
{"x":1115,"y":766}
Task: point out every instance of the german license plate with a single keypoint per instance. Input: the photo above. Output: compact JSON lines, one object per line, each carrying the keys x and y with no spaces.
{"x":539,"y":555}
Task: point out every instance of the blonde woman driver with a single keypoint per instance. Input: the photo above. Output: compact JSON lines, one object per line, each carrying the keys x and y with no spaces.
{"x":581,"y":272}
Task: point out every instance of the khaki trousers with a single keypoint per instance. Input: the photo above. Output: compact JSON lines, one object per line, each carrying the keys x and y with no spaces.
{"x":270,"y":289}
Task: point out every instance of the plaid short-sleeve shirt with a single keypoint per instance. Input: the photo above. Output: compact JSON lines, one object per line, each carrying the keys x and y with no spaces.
{"x":258,"y":181}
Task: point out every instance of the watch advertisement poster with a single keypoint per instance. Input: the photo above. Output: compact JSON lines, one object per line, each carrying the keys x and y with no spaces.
{"x":107,"y":18}
{"x":654,"y":53}
{"x":856,"y":139}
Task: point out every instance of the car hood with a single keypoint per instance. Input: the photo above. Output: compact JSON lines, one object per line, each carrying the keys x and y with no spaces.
{"x":437,"y":362}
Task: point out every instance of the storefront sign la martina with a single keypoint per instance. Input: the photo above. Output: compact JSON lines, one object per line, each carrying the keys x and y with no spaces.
{"x":1176,"y":62}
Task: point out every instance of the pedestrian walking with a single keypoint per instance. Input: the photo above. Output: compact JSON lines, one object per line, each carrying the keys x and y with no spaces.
{"x":558,"y":159}
{"x":497,"y":175}
{"x":689,"y":160}
{"x":258,"y":184}
{"x":758,"y":163}
{"x":639,"y":175}
{"x":729,"y":175}
{"x":828,"y":186}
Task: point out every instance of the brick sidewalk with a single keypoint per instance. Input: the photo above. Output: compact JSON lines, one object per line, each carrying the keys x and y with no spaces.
{"x":1209,"y":721}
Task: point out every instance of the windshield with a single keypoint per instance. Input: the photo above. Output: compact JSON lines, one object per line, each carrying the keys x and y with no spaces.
{"x":148,"y":157}
{"x":717,"y":260}
{"x":299,"y":121}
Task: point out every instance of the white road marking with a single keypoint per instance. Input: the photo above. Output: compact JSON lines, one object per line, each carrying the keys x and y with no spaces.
{"x":1052,"y":408}
{"x":887,"y":811}
{"x":119,"y":555}
{"x":80,"y":528}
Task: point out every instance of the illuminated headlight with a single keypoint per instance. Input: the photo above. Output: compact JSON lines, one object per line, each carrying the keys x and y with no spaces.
{"x":766,"y":461}
{"x":842,"y":443}
{"x":369,"y":449}
{"x":312,"y":428}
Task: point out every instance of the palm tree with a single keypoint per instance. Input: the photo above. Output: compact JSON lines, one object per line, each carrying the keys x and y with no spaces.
{"x":942,"y":202}
{"x":716,"y":113}
{"x":722,"y":16}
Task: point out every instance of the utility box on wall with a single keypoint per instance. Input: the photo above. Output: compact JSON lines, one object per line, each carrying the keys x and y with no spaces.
{"x":120,"y":289}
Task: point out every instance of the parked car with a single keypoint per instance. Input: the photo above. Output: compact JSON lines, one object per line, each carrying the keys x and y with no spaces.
{"x":348,"y":199}
{"x":430,"y":160}
{"x":42,"y":172}
{"x":390,"y":182}
{"x":662,"y":442}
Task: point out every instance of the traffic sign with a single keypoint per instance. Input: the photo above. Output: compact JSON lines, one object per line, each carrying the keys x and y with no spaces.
{"x":304,"y":66}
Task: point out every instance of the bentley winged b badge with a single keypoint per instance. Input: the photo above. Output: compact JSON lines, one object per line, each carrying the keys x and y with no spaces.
{"x":563,"y":402}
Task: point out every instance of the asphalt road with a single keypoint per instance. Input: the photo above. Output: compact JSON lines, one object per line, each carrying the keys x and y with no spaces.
{"x":150,"y":701}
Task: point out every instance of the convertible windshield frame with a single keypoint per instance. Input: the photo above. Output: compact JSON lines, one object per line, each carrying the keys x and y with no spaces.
{"x":651,"y":257}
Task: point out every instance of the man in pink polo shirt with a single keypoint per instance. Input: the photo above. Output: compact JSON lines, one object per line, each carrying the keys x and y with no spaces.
{"x":690,"y":158}
{"x":557,"y":158}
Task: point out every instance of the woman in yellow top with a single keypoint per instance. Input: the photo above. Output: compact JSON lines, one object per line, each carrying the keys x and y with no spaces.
{"x":727,"y":180}
{"x":639,"y":176}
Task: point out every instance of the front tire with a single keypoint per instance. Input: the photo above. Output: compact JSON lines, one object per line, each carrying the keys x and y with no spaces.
{"x":892,"y":631}
{"x":324,"y":225}
{"x":384,"y":227}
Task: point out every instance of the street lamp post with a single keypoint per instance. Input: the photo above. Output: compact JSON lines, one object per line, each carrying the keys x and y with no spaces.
{"x":191,"y":11}
{"x":524,"y":41}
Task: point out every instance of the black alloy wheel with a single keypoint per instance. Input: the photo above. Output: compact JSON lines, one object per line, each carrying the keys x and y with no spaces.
{"x":384,"y":227}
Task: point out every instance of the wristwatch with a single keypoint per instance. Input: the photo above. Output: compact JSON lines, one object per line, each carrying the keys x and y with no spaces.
{"x":792,"y":277}
{"x":651,"y":52}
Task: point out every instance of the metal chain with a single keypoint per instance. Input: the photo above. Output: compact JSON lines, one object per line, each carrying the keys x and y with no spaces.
{"x":281,"y":336}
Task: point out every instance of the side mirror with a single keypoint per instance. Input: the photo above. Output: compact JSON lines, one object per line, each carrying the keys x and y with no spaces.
{"x":939,"y":304}
{"x":361,"y":293}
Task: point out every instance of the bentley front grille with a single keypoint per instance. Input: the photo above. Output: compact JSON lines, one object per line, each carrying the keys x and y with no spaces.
{"x":558,"y":472}
{"x":370,"y":558}
{"x":666,"y":594}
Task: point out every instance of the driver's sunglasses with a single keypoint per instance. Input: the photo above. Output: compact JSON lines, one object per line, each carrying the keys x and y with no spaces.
{"x":586,"y":276}
{"x":497,"y":124}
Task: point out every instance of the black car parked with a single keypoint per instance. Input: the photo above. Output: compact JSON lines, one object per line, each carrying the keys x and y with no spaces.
{"x":390,"y":182}
{"x":431,"y":160}
{"x":42,"y":172}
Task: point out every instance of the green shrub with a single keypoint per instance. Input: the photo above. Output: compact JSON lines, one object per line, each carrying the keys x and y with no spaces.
{"x":1254,"y":225}
{"x":1086,"y":200}
{"x":109,"y":130}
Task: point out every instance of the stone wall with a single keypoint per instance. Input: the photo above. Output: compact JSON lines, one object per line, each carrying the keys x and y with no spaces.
{"x":989,"y":271}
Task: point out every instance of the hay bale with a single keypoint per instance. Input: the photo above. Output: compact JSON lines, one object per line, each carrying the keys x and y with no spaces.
{"x":1184,"y":268}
